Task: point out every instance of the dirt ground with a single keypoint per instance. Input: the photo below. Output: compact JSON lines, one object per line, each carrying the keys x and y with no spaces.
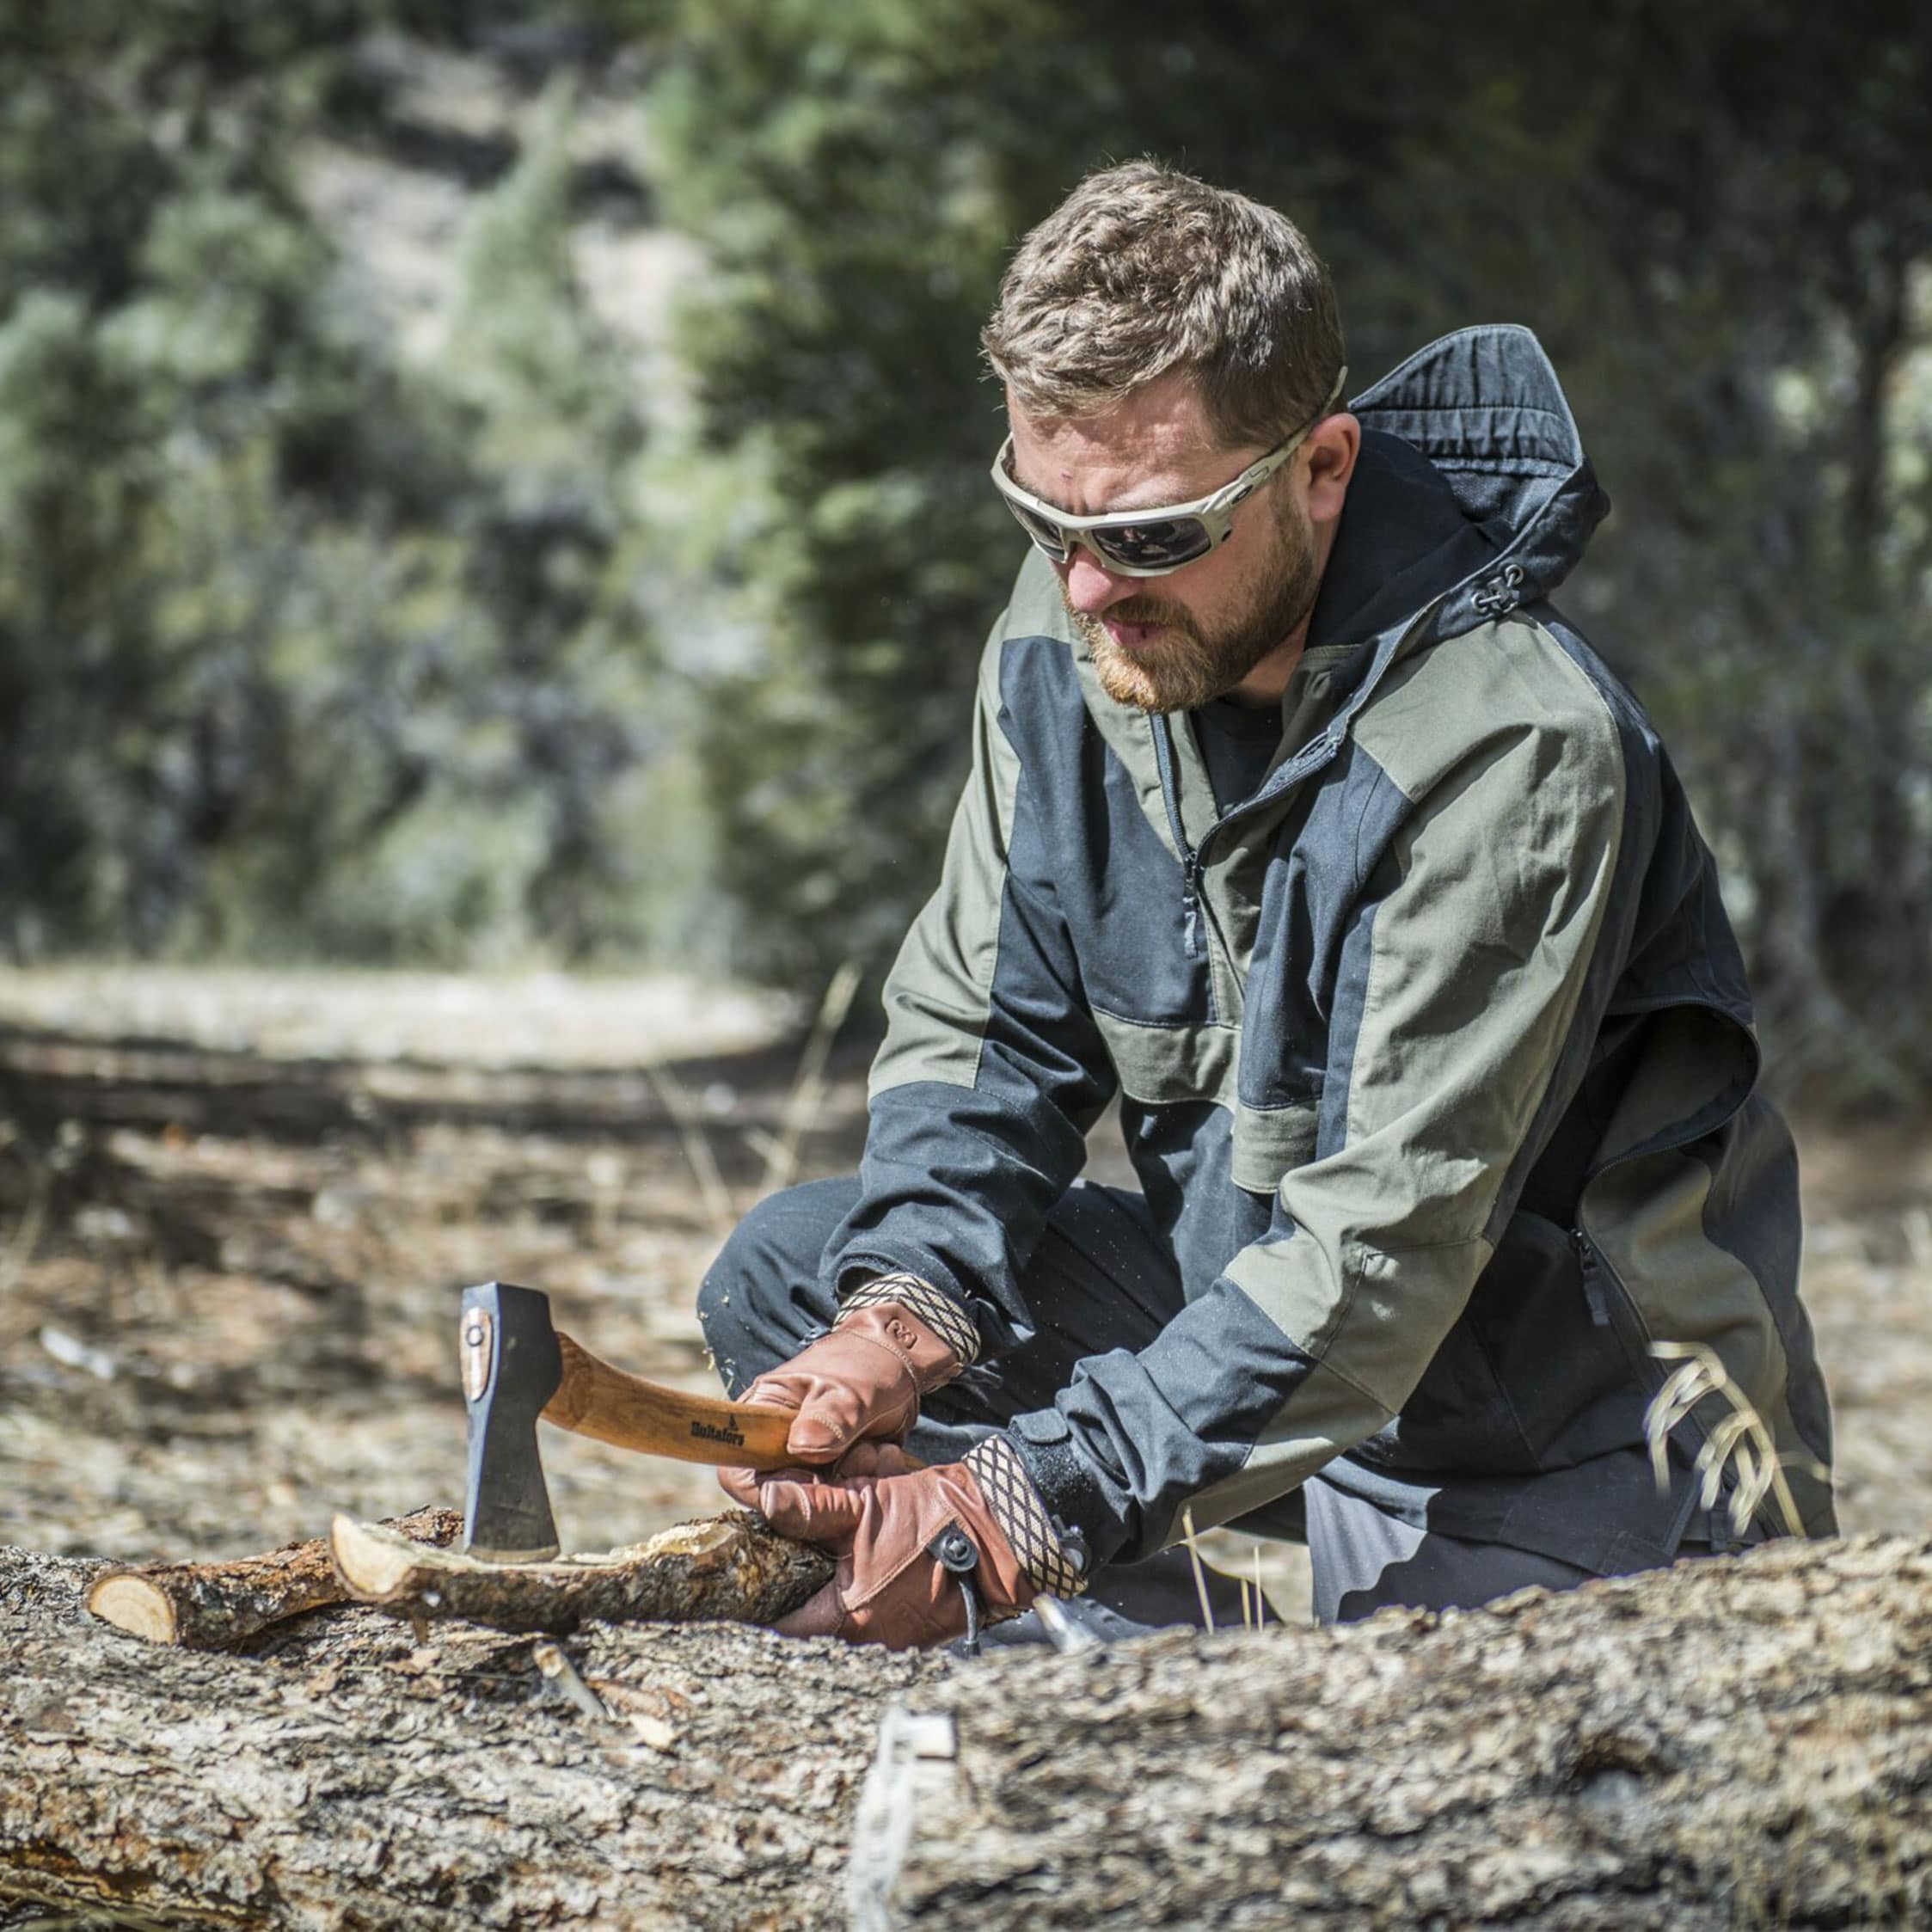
{"x":235,"y":1212}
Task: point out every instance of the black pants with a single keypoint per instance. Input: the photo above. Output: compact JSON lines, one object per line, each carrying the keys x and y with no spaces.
{"x":1102,"y":1277}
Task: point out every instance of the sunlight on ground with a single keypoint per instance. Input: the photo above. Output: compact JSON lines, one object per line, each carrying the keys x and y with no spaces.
{"x":227,"y":1294}
{"x":547,"y":1019}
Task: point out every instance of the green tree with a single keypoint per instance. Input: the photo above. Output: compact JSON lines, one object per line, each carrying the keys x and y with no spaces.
{"x":1719,"y":240}
{"x":302,"y":648}
{"x":161,"y":374}
{"x":471,"y":683}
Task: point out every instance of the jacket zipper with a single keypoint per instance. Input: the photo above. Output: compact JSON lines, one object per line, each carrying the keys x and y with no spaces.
{"x":1193,"y":938}
{"x":1593,"y":1290}
{"x":1194,"y":912}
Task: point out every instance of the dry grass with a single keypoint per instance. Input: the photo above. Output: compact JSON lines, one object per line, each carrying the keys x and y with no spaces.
{"x":1740,"y":1441}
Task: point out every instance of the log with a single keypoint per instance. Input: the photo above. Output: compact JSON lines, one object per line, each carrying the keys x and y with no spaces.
{"x":1735,"y":1742}
{"x":213,"y":1605}
{"x":1731,"y":1742}
{"x":728,"y":1569}
{"x":341,"y":1775}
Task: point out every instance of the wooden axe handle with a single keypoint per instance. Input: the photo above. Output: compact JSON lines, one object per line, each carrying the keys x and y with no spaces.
{"x":594,"y":1399}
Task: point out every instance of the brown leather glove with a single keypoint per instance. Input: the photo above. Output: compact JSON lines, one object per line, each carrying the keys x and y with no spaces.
{"x":890,"y":1587}
{"x":861,"y":1383}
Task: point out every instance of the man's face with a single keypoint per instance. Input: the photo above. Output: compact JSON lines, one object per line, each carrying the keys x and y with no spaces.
{"x":1230,"y":622}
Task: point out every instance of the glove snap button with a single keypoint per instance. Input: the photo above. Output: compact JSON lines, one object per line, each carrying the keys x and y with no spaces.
{"x":953,"y":1549}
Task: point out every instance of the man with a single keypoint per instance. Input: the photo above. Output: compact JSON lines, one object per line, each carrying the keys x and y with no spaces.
{"x":1302,"y":820}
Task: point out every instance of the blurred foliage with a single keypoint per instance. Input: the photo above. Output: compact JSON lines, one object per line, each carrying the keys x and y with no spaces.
{"x":311,"y":646}
{"x":301,"y":649}
{"x":1719,"y":220}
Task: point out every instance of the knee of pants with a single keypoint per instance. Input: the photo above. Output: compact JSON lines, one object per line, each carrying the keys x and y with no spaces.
{"x":760,"y":1300}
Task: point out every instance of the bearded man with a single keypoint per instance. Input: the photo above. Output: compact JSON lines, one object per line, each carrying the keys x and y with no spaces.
{"x":1303,"y":822}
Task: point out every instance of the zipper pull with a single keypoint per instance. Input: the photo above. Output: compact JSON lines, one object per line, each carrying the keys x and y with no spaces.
{"x":1192,"y":938}
{"x":1592,"y":1279}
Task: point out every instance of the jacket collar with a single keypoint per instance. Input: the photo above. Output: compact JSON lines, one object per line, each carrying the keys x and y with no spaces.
{"x":1484,"y":408}
{"x":1474,"y":496}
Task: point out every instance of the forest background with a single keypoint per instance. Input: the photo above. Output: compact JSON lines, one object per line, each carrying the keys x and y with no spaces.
{"x":484,"y":485}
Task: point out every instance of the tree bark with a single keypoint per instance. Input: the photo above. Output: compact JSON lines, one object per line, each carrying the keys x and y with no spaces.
{"x":210,"y":1606}
{"x":728,"y":1569}
{"x":340,"y":1775}
{"x":1726,"y":1743}
{"x":1731,"y":1742}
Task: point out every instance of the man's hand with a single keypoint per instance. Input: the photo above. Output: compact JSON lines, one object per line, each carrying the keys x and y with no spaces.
{"x":889,"y":1588}
{"x":860,"y":1384}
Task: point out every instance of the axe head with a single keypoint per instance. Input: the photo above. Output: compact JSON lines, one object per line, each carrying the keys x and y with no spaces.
{"x":512,"y":1366}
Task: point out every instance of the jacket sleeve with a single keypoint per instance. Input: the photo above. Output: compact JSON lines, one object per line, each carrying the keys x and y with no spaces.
{"x":992,"y":1069}
{"x":1470,"y":984}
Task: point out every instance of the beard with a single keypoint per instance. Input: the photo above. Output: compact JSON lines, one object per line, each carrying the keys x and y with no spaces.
{"x":1195,"y":662}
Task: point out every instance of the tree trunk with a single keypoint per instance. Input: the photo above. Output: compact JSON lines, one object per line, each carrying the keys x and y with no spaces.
{"x":1726,"y":1743}
{"x":1733,"y":1742}
{"x":212,"y":1606}
{"x":341,"y":1775}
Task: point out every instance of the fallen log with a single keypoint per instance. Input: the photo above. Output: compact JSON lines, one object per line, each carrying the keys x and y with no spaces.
{"x":1727,"y":1742}
{"x":725,"y":1569}
{"x":214,"y":1605}
{"x":342,"y":1775}
{"x":1733,"y":1742}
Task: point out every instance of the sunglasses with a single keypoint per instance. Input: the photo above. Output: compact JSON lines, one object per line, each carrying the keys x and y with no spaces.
{"x":1147,"y":543}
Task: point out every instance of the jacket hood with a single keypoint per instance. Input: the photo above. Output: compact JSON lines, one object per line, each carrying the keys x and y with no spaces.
{"x":1472,"y":486}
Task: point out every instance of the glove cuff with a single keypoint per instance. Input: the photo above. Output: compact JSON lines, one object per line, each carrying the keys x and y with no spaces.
{"x":1053,"y":1558}
{"x":933,"y":1306}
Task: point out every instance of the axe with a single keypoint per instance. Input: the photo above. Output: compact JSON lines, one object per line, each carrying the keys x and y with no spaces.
{"x":517,"y":1367}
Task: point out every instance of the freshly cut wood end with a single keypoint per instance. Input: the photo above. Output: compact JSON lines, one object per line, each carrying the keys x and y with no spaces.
{"x":375,"y":1563}
{"x":131,"y":1603}
{"x":681,"y":1539}
{"x":694,"y":1539}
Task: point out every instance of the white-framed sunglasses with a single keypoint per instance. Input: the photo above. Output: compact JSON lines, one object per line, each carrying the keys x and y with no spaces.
{"x":1147,"y":543}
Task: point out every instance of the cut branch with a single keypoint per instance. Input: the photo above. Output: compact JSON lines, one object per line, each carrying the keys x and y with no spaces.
{"x":210,"y":1606}
{"x":727,"y":1569}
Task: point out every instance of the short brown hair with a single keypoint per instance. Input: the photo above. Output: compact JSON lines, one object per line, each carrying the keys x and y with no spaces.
{"x":1142,"y":270}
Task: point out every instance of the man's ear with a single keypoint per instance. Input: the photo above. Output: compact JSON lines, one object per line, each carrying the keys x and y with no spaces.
{"x":1332,"y":445}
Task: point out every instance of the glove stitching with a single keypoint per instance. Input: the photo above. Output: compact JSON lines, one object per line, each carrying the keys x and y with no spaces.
{"x":778,"y":1389}
{"x":933,"y":1306}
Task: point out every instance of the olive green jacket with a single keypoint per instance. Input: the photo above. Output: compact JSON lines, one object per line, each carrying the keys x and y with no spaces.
{"x":1435,"y":1054}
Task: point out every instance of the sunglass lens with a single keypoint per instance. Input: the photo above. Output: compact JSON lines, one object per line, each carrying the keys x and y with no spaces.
{"x":1163,"y":545}
{"x":1047,"y":535}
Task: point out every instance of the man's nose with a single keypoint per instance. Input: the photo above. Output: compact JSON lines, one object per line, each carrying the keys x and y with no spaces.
{"x":1091,"y":586}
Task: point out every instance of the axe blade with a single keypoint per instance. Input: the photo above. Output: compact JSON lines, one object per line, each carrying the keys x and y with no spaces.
{"x":512,"y":1366}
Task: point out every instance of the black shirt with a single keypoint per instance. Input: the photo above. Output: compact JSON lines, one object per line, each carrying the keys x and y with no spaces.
{"x":1237,"y":741}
